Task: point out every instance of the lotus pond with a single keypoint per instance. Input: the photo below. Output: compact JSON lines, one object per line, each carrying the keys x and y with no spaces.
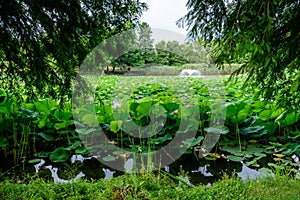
{"x":228,"y":130}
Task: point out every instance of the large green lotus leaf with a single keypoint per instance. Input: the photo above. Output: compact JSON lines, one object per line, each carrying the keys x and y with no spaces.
{"x":241,"y":117}
{"x":59,"y":155}
{"x":115,"y":126}
{"x":170,"y":107}
{"x":91,"y":120}
{"x":63,"y":125}
{"x":231,"y":111}
{"x":265,"y":114}
{"x":81,"y":150}
{"x":42,"y":106}
{"x":271,"y":127}
{"x":62,"y":115}
{"x":133,"y":106}
{"x":29,"y":106}
{"x":143,"y":109}
{"x":277,"y":113}
{"x":291,"y":118}
{"x":42,"y":122}
{"x":52,"y":104}
{"x":259,"y":105}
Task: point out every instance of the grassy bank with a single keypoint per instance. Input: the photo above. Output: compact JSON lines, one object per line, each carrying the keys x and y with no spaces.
{"x":154,"y":187}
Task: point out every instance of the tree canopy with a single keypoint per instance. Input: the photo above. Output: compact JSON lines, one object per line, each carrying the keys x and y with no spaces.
{"x":263,"y":35}
{"x":43,"y":42}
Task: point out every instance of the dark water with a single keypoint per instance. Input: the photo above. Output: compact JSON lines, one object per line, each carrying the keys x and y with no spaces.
{"x":196,"y":171}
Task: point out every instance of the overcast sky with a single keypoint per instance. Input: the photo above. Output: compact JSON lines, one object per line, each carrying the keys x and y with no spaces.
{"x":163,"y":14}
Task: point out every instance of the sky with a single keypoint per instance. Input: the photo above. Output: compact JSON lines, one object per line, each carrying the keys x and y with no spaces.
{"x":163,"y":14}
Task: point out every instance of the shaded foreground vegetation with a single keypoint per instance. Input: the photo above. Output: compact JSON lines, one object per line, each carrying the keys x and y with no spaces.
{"x":149,"y":186}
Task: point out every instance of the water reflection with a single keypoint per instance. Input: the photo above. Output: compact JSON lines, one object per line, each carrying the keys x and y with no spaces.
{"x":198,"y":171}
{"x":108,"y":173}
{"x":56,"y":179}
{"x":203,"y":170}
{"x":250,"y":174}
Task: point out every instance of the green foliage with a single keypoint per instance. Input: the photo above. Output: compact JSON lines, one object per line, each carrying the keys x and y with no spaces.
{"x":150,"y":186}
{"x":43,"y":128}
{"x":43,"y":43}
{"x":264,"y":36}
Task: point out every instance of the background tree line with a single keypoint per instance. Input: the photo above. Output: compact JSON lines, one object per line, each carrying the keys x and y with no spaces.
{"x":170,"y":53}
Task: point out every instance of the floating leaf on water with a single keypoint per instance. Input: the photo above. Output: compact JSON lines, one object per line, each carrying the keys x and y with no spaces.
{"x":109,"y":158}
{"x":235,"y":158}
{"x":252,"y":163}
{"x":233,"y":150}
{"x":260,"y":155}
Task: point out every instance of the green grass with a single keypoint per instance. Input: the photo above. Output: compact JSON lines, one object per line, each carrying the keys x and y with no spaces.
{"x":149,"y":186}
